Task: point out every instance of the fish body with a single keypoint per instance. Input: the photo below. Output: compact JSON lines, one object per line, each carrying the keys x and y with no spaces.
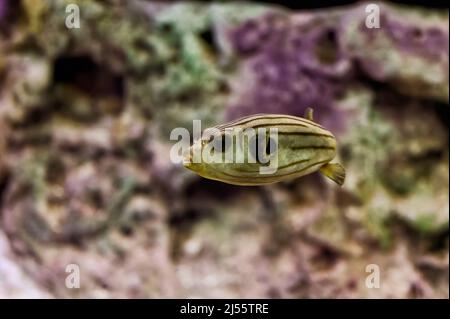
{"x":298,"y":146}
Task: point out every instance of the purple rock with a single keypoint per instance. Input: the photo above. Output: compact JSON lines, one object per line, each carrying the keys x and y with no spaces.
{"x":289,"y":72}
{"x":3,"y":9}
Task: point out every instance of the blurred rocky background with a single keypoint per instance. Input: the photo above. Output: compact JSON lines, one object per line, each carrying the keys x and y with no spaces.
{"x":86,"y":179}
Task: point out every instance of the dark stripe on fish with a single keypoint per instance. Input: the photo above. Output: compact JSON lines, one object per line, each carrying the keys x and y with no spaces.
{"x":248,"y":119}
{"x":312,"y":147}
{"x":262,"y":176}
{"x":305,"y":134}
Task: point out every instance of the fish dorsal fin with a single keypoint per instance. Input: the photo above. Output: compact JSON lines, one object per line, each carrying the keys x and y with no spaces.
{"x":335,"y":172}
{"x":309,"y":113}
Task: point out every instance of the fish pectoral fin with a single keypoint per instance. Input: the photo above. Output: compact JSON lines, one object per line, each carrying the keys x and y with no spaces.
{"x":335,"y":172}
{"x":309,"y":113}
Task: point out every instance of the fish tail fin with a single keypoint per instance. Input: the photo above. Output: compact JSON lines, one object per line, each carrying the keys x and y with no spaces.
{"x":335,"y":172}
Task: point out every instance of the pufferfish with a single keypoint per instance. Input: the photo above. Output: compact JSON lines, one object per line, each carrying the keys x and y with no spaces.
{"x":300,"y":147}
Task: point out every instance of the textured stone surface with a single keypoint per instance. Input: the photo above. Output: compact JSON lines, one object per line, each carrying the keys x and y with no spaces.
{"x":85,"y":175}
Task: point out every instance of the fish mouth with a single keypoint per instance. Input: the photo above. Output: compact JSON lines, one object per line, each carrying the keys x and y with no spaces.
{"x":189,"y":163}
{"x":187,"y":159}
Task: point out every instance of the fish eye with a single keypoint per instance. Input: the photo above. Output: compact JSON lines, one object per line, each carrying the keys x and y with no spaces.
{"x":271,"y":146}
{"x":259,"y":150}
{"x":255,"y":148}
{"x":207,"y":139}
{"x":223,"y":142}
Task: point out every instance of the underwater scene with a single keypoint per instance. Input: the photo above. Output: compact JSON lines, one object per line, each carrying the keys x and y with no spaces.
{"x":116,"y":118}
